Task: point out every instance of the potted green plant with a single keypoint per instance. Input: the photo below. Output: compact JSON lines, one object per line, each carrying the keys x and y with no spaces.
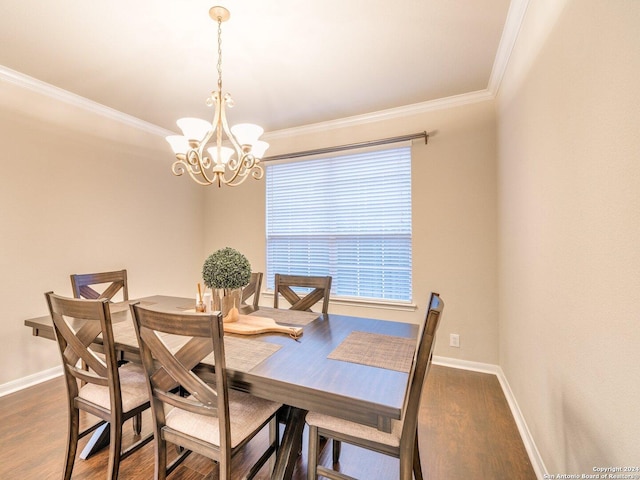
{"x":225,"y":272}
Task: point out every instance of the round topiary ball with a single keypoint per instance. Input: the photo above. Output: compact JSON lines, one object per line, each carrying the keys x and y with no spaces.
{"x":226,"y":268}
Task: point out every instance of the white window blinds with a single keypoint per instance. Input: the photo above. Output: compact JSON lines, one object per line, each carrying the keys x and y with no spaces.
{"x":347,"y":216}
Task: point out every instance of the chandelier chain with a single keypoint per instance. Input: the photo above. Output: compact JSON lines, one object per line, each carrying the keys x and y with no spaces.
{"x":220,"y":54}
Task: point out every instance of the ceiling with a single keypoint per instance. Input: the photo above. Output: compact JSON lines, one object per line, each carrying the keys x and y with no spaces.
{"x":287,"y":63}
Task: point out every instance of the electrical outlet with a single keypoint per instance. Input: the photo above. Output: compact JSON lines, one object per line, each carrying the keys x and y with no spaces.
{"x":454,"y":340}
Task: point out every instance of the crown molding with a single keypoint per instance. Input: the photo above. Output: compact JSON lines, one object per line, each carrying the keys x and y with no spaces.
{"x":391,"y":113}
{"x":43,"y":88}
{"x":513,"y":23}
{"x":46,"y":89}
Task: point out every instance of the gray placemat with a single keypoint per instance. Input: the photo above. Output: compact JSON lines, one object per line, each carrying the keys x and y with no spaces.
{"x":290,"y":317}
{"x":243,"y":354}
{"x":376,"y":350}
{"x":240,"y":353}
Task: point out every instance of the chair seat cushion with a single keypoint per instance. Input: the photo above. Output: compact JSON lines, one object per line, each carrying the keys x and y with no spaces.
{"x":133,"y":387}
{"x":337,"y":425}
{"x":246,"y":413}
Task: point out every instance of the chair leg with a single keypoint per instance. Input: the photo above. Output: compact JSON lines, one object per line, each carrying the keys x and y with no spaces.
{"x":417,"y":466}
{"x":161,"y":458}
{"x":312,"y":460}
{"x":115,"y":450}
{"x":337,"y":444}
{"x":224,"y":468}
{"x":72,"y":442}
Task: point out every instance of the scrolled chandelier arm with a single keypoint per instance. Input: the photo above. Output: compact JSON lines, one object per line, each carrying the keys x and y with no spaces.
{"x":228,"y":165}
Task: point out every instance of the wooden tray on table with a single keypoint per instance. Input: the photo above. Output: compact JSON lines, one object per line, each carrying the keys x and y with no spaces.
{"x":252,"y":325}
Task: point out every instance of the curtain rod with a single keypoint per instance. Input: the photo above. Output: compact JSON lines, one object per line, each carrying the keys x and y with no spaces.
{"x":351,"y":146}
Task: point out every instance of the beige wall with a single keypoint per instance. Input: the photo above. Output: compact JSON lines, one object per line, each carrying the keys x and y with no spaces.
{"x":569,"y":241}
{"x":73,"y":199}
{"x":454,"y":218}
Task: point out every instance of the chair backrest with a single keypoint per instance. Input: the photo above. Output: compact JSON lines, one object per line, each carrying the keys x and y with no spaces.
{"x":321,"y":286}
{"x":82,"y":285}
{"x":252,"y":289}
{"x":167,"y":370}
{"x":76,"y":324}
{"x":419,"y":369}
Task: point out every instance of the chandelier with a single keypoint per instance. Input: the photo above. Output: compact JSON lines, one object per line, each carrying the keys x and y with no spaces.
{"x":231,"y":163}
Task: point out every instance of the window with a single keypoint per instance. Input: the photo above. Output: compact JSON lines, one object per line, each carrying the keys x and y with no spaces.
{"x":347,"y":216}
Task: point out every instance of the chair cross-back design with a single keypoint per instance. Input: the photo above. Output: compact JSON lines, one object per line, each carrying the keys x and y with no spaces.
{"x":81,"y":284}
{"x":113,"y":394}
{"x":210,"y":419}
{"x":321,"y":286}
{"x":117,"y":280}
{"x":253,"y":289}
{"x":402,"y":442}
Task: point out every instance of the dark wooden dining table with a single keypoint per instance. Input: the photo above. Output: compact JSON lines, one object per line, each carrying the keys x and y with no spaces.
{"x":342,"y":366}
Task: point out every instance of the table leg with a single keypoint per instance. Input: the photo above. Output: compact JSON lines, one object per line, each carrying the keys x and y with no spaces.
{"x":99,"y":439}
{"x":290,"y":446}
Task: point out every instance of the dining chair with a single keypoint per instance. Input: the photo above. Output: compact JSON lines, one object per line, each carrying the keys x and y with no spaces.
{"x":402,"y":441}
{"x":206,"y":418}
{"x":82,"y":285}
{"x":113,"y":394}
{"x":320,"y":285}
{"x":253,"y":289}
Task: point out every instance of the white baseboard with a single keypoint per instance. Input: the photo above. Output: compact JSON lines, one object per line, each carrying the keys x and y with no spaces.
{"x":29,"y":380}
{"x":467,"y":365}
{"x":529,"y":444}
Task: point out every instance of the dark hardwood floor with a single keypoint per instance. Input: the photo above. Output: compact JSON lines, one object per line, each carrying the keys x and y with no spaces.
{"x":466,"y":432}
